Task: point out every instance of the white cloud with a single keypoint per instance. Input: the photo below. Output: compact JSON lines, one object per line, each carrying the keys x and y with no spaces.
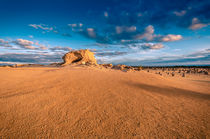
{"x":59,"y":48}
{"x":91,"y":32}
{"x":41,"y":26}
{"x":146,"y":46}
{"x":31,"y":58}
{"x":118,"y":30}
{"x":29,"y":44}
{"x":80,"y":24}
{"x":180,"y":13}
{"x":42,"y":47}
{"x":29,"y":47}
{"x":153,"y":46}
{"x":31,"y":36}
{"x":75,"y":25}
{"x":72,"y":25}
{"x":4,"y":43}
{"x":149,"y":29}
{"x":196,"y":24}
{"x":121,"y":29}
{"x":24,"y":43}
{"x":148,"y":34}
{"x":106,"y":14}
{"x":171,"y":37}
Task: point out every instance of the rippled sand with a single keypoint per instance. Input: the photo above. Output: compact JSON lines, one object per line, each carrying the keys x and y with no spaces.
{"x":84,"y":102}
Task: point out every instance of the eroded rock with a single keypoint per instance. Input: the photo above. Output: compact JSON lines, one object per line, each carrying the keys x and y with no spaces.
{"x":79,"y":57}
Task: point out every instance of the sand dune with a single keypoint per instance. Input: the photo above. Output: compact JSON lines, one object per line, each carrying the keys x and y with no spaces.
{"x":87,"y":102}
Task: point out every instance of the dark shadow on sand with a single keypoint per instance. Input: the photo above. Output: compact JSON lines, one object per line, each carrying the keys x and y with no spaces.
{"x":202,"y":81}
{"x":170,"y":91}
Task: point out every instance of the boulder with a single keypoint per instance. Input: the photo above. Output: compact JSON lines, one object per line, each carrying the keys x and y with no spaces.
{"x":79,"y":57}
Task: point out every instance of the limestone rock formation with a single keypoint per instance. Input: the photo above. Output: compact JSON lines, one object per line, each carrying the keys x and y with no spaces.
{"x":84,"y":57}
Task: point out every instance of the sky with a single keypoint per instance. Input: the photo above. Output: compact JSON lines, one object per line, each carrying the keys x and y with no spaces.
{"x":131,"y":32}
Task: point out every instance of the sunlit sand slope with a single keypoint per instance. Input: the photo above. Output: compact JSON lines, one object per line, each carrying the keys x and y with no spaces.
{"x":84,"y":102}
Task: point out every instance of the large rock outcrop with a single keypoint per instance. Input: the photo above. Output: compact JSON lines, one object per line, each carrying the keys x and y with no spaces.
{"x":79,"y":57}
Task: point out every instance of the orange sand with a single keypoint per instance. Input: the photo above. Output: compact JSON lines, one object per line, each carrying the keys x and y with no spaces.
{"x":84,"y":102}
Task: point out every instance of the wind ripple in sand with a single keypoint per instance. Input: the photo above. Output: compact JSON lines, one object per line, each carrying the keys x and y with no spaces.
{"x":91,"y":103}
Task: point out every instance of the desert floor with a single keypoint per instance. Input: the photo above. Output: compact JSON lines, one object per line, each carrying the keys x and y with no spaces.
{"x":87,"y":102}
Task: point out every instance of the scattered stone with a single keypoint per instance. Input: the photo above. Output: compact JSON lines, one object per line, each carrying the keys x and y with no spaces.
{"x":203,"y":72}
{"x":206,"y":73}
{"x":26,"y":65}
{"x":55,"y":64}
{"x":138,"y":68}
{"x":119,"y":67}
{"x":172,"y":74}
{"x":107,"y":65}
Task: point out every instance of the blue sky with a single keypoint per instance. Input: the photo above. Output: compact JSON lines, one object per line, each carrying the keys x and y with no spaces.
{"x":132,"y":32}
